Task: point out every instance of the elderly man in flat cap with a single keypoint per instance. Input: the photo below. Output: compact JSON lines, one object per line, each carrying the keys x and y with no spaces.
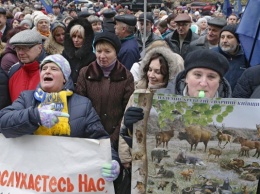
{"x":124,"y":29}
{"x":4,"y":27}
{"x":211,"y":39}
{"x":180,"y":39}
{"x":229,"y":46}
{"x":150,"y":36}
{"x":24,"y":75}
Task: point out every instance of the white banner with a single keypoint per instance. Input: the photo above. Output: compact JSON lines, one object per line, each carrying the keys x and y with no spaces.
{"x":49,"y":164}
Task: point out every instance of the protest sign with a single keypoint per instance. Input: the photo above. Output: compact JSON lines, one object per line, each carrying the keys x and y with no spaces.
{"x":196,"y":145}
{"x":49,"y":164}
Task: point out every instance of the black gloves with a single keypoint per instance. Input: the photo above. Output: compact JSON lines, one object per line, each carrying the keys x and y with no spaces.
{"x":132,"y":115}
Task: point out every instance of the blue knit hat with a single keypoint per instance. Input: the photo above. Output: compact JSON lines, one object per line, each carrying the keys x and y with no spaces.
{"x":60,"y":61}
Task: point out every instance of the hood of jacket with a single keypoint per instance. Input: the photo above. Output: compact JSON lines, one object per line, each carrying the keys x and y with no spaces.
{"x":175,"y":61}
{"x":86,"y":47}
{"x":52,"y":47}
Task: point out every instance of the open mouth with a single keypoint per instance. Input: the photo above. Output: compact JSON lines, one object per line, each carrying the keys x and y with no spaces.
{"x":47,"y":79}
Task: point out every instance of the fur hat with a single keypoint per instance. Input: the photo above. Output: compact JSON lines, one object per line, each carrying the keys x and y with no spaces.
{"x":41,"y":17}
{"x":61,"y":62}
{"x":206,"y":59}
{"x":109,"y":37}
{"x":232,"y":29}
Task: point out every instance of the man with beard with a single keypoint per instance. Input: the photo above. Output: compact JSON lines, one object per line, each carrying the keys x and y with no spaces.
{"x":179,"y":40}
{"x":211,"y":39}
{"x":150,"y":36}
{"x":229,"y":46}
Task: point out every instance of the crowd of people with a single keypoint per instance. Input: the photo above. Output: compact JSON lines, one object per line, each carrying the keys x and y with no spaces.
{"x":94,"y":57}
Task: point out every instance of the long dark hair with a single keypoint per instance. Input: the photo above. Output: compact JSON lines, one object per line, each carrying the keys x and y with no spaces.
{"x":164,"y":67}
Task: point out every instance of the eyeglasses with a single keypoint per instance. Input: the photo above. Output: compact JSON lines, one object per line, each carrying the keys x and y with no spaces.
{"x":23,"y":48}
{"x":182,"y":24}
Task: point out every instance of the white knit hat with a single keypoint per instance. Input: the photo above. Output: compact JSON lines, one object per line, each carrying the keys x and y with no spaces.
{"x":41,"y":17}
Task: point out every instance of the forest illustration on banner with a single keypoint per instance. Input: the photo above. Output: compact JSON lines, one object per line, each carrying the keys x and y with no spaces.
{"x":196,"y":145}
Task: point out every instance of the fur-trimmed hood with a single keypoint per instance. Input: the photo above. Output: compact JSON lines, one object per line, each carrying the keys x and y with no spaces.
{"x":175,"y":61}
{"x":86,"y":48}
{"x":52,"y":47}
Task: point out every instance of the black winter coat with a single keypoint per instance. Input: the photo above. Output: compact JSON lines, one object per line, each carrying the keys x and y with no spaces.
{"x":83,"y":56}
{"x":5,"y":99}
{"x":247,"y":83}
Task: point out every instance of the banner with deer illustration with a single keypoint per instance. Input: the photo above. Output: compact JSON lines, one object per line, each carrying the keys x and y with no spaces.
{"x":196,"y":145}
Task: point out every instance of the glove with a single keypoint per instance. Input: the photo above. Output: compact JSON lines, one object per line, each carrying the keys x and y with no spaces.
{"x":48,"y":116}
{"x":110,"y":171}
{"x":132,"y":115}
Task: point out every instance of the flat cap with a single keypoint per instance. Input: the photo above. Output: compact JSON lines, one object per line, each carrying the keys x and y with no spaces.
{"x":128,"y":19}
{"x":55,"y":5}
{"x":84,"y":14}
{"x":26,"y":38}
{"x":109,"y":13}
{"x":2,"y":11}
{"x":219,"y":22}
{"x":183,"y":17}
{"x":149,"y":17}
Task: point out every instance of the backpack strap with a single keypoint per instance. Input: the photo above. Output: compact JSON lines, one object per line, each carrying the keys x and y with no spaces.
{"x":14,"y":68}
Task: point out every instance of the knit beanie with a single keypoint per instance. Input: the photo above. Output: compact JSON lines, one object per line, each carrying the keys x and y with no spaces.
{"x":232,"y":29}
{"x":109,"y":37}
{"x":26,"y":21}
{"x":60,"y":61}
{"x":206,"y":59}
{"x":41,"y":17}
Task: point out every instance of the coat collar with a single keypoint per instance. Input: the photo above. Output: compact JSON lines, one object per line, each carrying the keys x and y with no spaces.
{"x":118,"y":73}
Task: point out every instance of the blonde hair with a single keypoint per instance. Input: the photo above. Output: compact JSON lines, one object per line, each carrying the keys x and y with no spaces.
{"x":77,"y":29}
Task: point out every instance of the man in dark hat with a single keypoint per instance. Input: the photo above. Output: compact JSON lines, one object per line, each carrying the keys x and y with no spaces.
{"x":229,"y":46}
{"x":108,"y":20}
{"x":150,"y":36}
{"x":57,"y":12}
{"x":124,"y":29}
{"x":4,"y":27}
{"x":179,"y":40}
{"x":211,"y":39}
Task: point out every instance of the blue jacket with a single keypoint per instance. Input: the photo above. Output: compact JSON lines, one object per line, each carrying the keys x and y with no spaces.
{"x":22,"y":117}
{"x":129,"y":52}
{"x":237,"y":65}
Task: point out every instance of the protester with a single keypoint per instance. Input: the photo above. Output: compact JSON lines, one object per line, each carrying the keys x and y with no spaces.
{"x":229,"y":47}
{"x":78,"y":46}
{"x":203,"y":26}
{"x":4,"y":91}
{"x":39,"y":111}
{"x":57,"y":12}
{"x":203,"y":76}
{"x":248,"y":85}
{"x":26,"y":23}
{"x":9,"y":55}
{"x":135,"y":70}
{"x":150,"y":36}
{"x":210,"y":40}
{"x":96,"y":23}
{"x":124,"y":29}
{"x":108,"y":20}
{"x":42,"y":25}
{"x":67,"y":20}
{"x":24,"y":75}
{"x":108,"y":84}
{"x":232,"y":19}
{"x":179,"y":40}
{"x":15,"y":23}
{"x":4,"y":26}
{"x":54,"y":43}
